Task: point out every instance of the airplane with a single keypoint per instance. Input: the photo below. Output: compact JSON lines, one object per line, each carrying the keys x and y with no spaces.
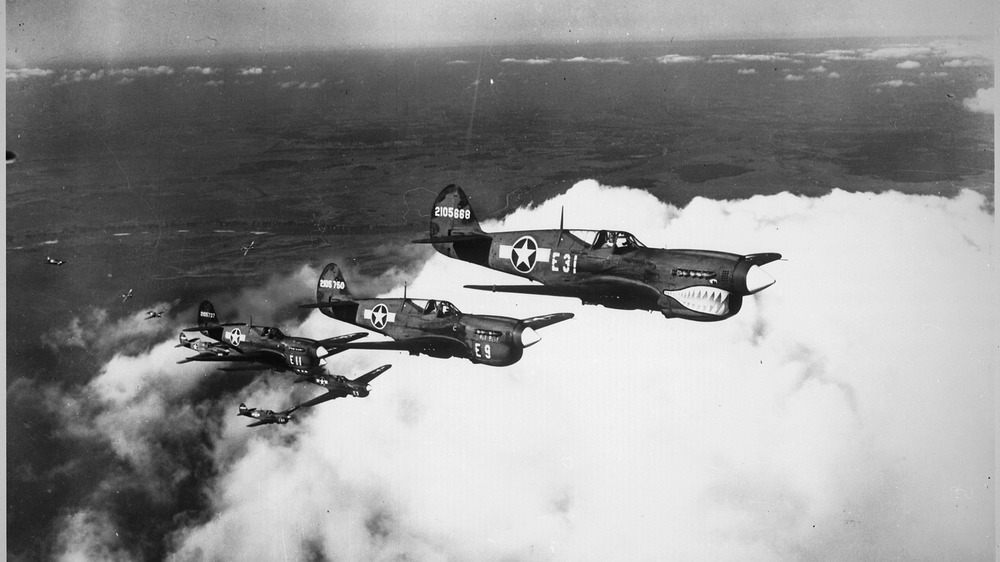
{"x":264,"y":347}
{"x":601,"y":267}
{"x":264,"y":417}
{"x":196,"y":344}
{"x":11,"y":157}
{"x":154,"y":314}
{"x":126,"y":296}
{"x":431,"y":327}
{"x":52,"y":261}
{"x":339,"y":386}
{"x":248,"y":247}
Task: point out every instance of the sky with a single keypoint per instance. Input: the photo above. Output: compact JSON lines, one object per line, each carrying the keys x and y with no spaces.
{"x":42,"y":31}
{"x":846,"y":413}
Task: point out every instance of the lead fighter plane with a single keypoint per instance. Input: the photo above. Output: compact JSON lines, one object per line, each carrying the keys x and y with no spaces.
{"x":605,"y":267}
{"x":262,"y":347}
{"x":432,"y":327}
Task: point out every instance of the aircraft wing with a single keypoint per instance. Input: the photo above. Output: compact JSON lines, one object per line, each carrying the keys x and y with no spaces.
{"x":337,"y":340}
{"x":537,"y":322}
{"x":370,"y":375}
{"x":417,"y":344}
{"x":598,"y":288}
{"x":335,"y":393}
{"x":260,"y":422}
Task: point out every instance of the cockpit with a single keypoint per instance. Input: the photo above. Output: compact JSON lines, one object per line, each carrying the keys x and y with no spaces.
{"x":617,"y":240}
{"x":268,"y":332}
{"x":436,"y":308}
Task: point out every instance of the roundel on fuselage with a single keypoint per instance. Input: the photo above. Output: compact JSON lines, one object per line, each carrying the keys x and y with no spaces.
{"x":524,"y":253}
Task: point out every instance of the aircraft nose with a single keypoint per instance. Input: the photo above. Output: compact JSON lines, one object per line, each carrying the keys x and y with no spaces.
{"x":757,"y":280}
{"x":529,"y":337}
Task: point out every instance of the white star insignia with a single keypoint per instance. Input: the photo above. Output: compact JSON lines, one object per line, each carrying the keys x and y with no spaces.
{"x":524,"y":254}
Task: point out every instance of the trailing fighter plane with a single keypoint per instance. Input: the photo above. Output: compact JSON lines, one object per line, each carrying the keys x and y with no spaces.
{"x":155,"y":314}
{"x":266,"y":416}
{"x":606,"y":267}
{"x":126,"y":296}
{"x":432,"y":327}
{"x":339,"y":386}
{"x":52,"y":261}
{"x":246,"y":249}
{"x":264,"y":347}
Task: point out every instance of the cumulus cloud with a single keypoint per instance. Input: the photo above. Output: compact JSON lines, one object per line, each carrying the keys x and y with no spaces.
{"x":747,"y":71}
{"x":964,"y":63}
{"x":251,"y":71}
{"x":895,"y":83}
{"x":908,"y":64}
{"x":794,"y":78}
{"x":673,"y":59}
{"x":612,"y":60}
{"x":818,"y":423}
{"x":204,"y":70}
{"x":899,"y":52}
{"x":295,"y":84}
{"x":983,"y":102}
{"x":527,"y":61}
{"x":834,"y":75}
{"x":818,"y":69}
{"x":25,"y":73}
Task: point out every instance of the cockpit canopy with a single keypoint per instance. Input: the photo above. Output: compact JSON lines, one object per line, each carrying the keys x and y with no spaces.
{"x":431,"y":307}
{"x":268,"y":332}
{"x":618,"y":240}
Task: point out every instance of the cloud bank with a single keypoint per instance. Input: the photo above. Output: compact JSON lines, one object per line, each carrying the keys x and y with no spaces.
{"x":832,"y":418}
{"x":983,"y":102}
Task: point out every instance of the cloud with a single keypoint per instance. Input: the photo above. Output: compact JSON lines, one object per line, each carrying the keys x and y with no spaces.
{"x":899,"y":52}
{"x":818,"y":423}
{"x":251,"y":71}
{"x":674,"y":59}
{"x":895,"y":83}
{"x":834,"y":75}
{"x":818,"y":69}
{"x":301,"y":85}
{"x":983,"y":102}
{"x":527,"y":61}
{"x":908,"y":64}
{"x":204,"y":70}
{"x":25,"y":73}
{"x":747,"y":71}
{"x":815,"y":424}
{"x":964,"y":63}
{"x":612,"y":60}
{"x":794,"y":78}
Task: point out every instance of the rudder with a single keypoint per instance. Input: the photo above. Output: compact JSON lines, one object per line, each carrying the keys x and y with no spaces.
{"x":331,"y":285}
{"x":208,"y":321}
{"x":454,"y":228}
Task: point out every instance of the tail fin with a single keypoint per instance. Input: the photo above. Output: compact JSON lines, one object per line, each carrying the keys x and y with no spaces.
{"x":208,"y":322}
{"x":332,"y":295}
{"x":454,"y":229}
{"x":331,"y":285}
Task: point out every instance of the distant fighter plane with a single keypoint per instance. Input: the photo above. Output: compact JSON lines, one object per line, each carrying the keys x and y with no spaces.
{"x":154,"y":314}
{"x":248,"y":247}
{"x":52,"y":261}
{"x":264,"y":417}
{"x":126,"y":296}
{"x":431,"y":327}
{"x":203,"y":347}
{"x":339,"y":386}
{"x":263,"y":347}
{"x":605,"y":267}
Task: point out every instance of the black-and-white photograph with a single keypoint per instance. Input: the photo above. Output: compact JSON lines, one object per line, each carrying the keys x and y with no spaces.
{"x":540,"y":280}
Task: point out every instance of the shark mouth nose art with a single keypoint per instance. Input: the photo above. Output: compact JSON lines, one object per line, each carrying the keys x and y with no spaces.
{"x":707,"y":300}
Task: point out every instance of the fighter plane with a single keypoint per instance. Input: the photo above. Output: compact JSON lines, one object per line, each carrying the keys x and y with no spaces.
{"x":431,"y":327}
{"x":604,"y":267}
{"x":52,"y":261}
{"x":126,"y":296}
{"x":264,"y":347}
{"x":154,"y":314}
{"x":248,"y":247}
{"x":264,"y":417}
{"x":339,"y":386}
{"x":204,"y":347}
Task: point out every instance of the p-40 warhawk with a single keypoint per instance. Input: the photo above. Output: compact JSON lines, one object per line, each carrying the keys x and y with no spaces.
{"x":266,"y":416}
{"x":338,"y":386}
{"x":430,"y":327}
{"x":263,"y":346}
{"x":604,"y":267}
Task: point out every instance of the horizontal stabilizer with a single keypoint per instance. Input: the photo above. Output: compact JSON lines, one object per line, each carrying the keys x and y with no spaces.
{"x":761,"y":259}
{"x":547,"y":320}
{"x":454,"y":238}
